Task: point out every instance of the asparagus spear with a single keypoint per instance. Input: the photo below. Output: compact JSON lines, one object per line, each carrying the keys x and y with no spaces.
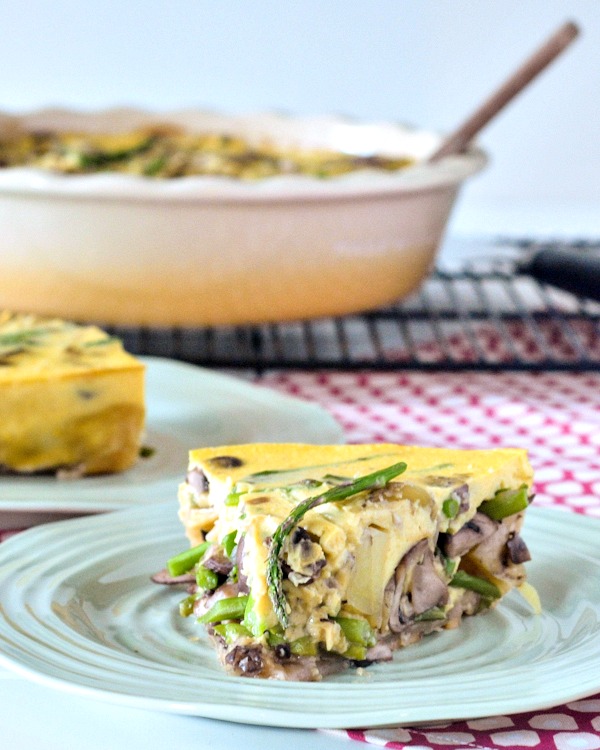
{"x":373,"y":481}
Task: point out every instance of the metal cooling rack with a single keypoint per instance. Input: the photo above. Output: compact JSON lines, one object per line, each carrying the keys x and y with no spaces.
{"x":482,"y":316}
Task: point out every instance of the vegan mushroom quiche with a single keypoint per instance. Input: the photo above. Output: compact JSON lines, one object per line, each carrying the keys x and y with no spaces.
{"x":308,"y":559}
{"x":71,"y":398}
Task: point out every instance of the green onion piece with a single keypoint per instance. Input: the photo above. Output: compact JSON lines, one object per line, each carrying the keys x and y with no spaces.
{"x":186,"y":560}
{"x":228,"y":542}
{"x":473,"y":583}
{"x":505,"y":503}
{"x":225,"y":609}
{"x":206,"y":579}
{"x":304,"y":646}
{"x":435,"y":613}
{"x":357,"y":631}
{"x":450,"y":507}
{"x":376,"y":480}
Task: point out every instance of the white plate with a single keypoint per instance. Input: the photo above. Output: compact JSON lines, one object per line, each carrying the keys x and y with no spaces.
{"x":187,"y":407}
{"x":80,"y":614}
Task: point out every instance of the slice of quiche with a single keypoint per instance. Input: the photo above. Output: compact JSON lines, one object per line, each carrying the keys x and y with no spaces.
{"x":307,"y":559}
{"x":71,"y":398}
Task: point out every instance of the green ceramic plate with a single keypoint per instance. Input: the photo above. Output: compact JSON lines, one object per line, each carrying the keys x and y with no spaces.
{"x":79,"y":613}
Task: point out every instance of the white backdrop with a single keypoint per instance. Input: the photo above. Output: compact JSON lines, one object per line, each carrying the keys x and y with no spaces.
{"x":423,"y":61}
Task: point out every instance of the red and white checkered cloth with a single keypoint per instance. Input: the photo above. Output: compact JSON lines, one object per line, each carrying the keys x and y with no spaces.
{"x":556,"y":417}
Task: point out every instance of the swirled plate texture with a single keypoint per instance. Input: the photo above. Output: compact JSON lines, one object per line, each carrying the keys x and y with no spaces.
{"x":79,"y":613}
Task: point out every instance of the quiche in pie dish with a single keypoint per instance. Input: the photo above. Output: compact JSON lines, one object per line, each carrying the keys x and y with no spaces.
{"x":308,"y":559}
{"x":166,"y":152}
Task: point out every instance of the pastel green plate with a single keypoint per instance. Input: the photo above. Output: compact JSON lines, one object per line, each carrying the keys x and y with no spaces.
{"x":79,"y":613}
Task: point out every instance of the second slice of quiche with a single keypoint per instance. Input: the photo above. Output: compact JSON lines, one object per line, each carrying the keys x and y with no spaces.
{"x":308,"y":559}
{"x":71,"y":398}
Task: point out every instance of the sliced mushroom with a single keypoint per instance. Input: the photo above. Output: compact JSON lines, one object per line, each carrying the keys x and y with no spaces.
{"x":493,"y":554}
{"x":246,"y":659}
{"x":216,"y":560}
{"x":379,"y":652}
{"x":197,"y":480}
{"x":474,"y":532}
{"x":462,"y":494}
{"x":427,"y":590}
{"x":164,"y":577}
{"x":418,"y":586}
{"x":518,"y":550}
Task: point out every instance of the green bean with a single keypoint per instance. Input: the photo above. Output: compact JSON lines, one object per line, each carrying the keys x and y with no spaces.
{"x":225,"y":609}
{"x":231,"y":631}
{"x":304,"y":646}
{"x":450,"y":565}
{"x":435,"y":613}
{"x":473,"y":583}
{"x":186,"y":606}
{"x":206,"y":579}
{"x":505,"y":503}
{"x":357,"y":631}
{"x":275,"y":638}
{"x":356,"y":652}
{"x":186,"y":560}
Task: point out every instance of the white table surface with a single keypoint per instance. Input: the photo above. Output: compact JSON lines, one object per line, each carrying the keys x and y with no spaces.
{"x":38,"y":718}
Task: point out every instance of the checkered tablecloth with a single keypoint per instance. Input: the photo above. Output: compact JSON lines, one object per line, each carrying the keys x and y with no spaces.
{"x":555,"y":416}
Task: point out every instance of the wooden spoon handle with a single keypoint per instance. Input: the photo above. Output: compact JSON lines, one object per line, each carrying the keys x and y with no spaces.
{"x":552,"y":47}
